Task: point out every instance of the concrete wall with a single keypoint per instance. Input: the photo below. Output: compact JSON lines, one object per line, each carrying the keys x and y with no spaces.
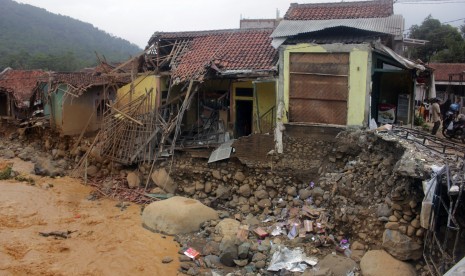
{"x":70,"y":115}
{"x":359,"y":76}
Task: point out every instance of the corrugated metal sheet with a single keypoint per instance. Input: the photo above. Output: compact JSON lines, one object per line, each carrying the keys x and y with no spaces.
{"x":392,"y":25}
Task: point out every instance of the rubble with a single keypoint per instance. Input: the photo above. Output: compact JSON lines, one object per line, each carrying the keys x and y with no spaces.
{"x":340,"y":197}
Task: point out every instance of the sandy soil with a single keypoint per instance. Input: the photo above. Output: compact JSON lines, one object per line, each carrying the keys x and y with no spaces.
{"x":106,"y":241}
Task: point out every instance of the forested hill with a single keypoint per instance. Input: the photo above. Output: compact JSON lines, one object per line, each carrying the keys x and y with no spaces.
{"x":33,"y":38}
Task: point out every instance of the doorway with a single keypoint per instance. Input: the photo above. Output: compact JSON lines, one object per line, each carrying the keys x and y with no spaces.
{"x":244,"y":116}
{"x":3,"y":104}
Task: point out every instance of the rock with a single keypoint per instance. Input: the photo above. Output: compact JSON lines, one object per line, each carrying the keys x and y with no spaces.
{"x":223,"y":192}
{"x":184,"y":258}
{"x":261,"y":194}
{"x":291,"y":190}
{"x":193,"y":271}
{"x":258,"y":257}
{"x":212,"y":260}
{"x":383,"y":210}
{"x":260,"y":264}
{"x":199,"y":186}
{"x":379,"y":263}
{"x":189,"y":190}
{"x":356,"y":245}
{"x":133,"y":180}
{"x":337,"y":265}
{"x":167,"y":260}
{"x":228,"y":251}
{"x":211,"y":248}
{"x":239,"y":176}
{"x":304,"y":194}
{"x":401,"y":246}
{"x":392,"y":225}
{"x":393,"y":218}
{"x":176,"y":215}
{"x":208,"y":187}
{"x":92,"y":170}
{"x":357,"y":255}
{"x":44,"y":166}
{"x":416,"y":223}
{"x":241,"y":263}
{"x":217,"y":174}
{"x":244,"y":190}
{"x":318,"y":192}
{"x":157,"y":190}
{"x":410,"y":230}
{"x":243,"y":250}
{"x":269,"y":183}
{"x":161,"y":178}
{"x":227,"y":228}
{"x":8,"y":153}
{"x":264,"y":203}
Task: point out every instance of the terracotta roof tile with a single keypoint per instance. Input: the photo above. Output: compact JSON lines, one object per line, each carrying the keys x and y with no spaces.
{"x":224,"y":50}
{"x":442,"y":70}
{"x":340,"y":10}
{"x":83,"y":79}
{"x":21,"y":84}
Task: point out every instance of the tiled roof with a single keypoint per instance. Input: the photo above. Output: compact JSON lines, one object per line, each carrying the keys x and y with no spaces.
{"x":442,"y":70}
{"x":20,"y":83}
{"x":340,"y":10}
{"x":226,"y":50}
{"x":83,"y":80}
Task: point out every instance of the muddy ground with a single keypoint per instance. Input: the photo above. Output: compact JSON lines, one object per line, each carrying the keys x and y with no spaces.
{"x":104,"y":239}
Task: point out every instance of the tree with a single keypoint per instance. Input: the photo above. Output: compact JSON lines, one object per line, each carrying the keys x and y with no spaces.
{"x":446,"y":43}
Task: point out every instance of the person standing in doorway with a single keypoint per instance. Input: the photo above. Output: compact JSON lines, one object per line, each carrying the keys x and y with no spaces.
{"x":436,"y":115}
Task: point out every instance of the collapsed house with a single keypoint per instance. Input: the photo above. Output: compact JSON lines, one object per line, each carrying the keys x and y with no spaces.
{"x":75,"y":102}
{"x":199,"y":89}
{"x":340,"y":64}
{"x":18,"y":88}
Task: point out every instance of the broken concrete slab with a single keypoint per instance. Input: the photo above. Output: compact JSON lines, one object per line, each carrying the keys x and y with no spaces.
{"x":162,"y":179}
{"x":176,"y":215}
{"x":379,"y":262}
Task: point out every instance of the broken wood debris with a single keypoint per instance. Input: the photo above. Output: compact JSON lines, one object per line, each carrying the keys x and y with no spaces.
{"x":57,"y":234}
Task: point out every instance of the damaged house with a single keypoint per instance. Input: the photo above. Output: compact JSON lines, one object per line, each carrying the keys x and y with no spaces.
{"x":199,"y":89}
{"x":339,"y":64}
{"x":77,"y":101}
{"x":18,"y":93}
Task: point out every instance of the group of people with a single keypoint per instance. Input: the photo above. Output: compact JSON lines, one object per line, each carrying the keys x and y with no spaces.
{"x":436,"y":111}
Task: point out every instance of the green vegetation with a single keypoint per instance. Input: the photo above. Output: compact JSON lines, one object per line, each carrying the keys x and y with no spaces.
{"x":446,"y":43}
{"x":33,"y":38}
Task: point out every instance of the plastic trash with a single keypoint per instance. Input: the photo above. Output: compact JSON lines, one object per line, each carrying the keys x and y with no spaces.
{"x":292,"y":260}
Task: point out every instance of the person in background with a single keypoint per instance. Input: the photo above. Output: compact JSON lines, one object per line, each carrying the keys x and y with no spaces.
{"x":426,"y":115}
{"x":436,"y":115}
{"x":445,"y":107}
{"x":421,"y":111}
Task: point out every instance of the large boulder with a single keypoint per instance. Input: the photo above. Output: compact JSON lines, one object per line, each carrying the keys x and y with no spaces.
{"x":337,"y":265}
{"x":176,"y":215}
{"x":162,"y":179}
{"x":379,"y":263}
{"x":401,"y":246}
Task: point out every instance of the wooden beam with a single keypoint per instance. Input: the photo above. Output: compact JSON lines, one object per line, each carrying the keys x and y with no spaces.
{"x":126,"y":115}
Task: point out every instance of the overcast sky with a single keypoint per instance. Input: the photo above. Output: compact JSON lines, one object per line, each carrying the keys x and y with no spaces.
{"x":136,"y":20}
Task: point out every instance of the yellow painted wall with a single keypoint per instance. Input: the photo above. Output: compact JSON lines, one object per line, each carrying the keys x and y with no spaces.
{"x":266,"y":94}
{"x":358,"y":70}
{"x":141,"y":84}
{"x":357,"y":77}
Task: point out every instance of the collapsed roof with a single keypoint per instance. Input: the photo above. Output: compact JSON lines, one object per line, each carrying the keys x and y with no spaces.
{"x":21,"y":84}
{"x":193,"y":55}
